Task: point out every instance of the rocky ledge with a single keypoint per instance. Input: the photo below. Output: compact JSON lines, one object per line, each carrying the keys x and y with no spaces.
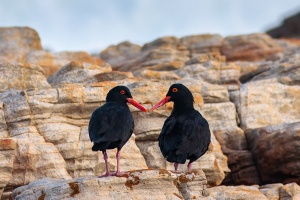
{"x":247,"y":87}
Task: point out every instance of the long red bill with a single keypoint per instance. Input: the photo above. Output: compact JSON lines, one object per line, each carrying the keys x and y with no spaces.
{"x":136,"y":104}
{"x":161,"y":103}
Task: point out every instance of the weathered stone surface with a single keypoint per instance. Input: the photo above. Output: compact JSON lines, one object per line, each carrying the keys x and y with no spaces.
{"x":168,"y":41}
{"x":7,"y":156}
{"x":115,"y":55}
{"x":52,"y":62}
{"x":277,"y":162}
{"x":140,"y":184}
{"x":160,"y":75}
{"x":205,"y":43}
{"x":47,"y":125}
{"x":278,"y":191}
{"x":163,"y":58}
{"x":236,"y":193}
{"x":16,"y":42}
{"x":249,"y":47}
{"x":78,"y":72}
{"x":21,"y":76}
{"x":262,"y":104}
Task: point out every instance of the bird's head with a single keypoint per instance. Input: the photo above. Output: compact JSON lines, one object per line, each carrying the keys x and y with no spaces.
{"x":178,"y":93}
{"x":121,"y":94}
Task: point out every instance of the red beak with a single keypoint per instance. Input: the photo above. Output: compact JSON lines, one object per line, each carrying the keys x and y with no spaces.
{"x":161,"y":103}
{"x":136,"y":104}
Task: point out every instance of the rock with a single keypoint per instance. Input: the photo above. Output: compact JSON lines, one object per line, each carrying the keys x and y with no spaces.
{"x":52,"y":62}
{"x":16,"y":42}
{"x":115,"y":55}
{"x":140,"y":184}
{"x":77,"y":72}
{"x":262,"y":104}
{"x":205,"y":43}
{"x":163,"y":58}
{"x":249,"y":47}
{"x":160,"y":75}
{"x":276,"y":161}
{"x":280,"y":191}
{"x":289,"y":191}
{"x":7,"y":156}
{"x":236,"y":193}
{"x":289,"y":28}
{"x":168,"y":41}
{"x":21,"y":76}
{"x":222,"y":121}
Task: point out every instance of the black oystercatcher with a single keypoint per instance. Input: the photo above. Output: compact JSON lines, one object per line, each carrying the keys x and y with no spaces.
{"x":185,"y":133}
{"x":111,"y":125}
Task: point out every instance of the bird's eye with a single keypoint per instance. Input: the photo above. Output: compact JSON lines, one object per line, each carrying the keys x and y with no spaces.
{"x":122,"y":92}
{"x":174,"y":90}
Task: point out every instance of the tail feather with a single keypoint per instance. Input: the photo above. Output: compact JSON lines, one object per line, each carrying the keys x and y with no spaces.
{"x":172,"y":157}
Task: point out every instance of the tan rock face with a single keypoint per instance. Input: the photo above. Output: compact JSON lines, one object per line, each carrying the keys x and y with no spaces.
{"x":118,"y":54}
{"x":237,"y":192}
{"x":21,"y":76}
{"x":7,"y":156}
{"x":140,"y":184}
{"x":249,"y":47}
{"x":52,"y":62}
{"x":262,"y":104}
{"x":16,"y":42}
{"x":78,"y":72}
{"x":43,"y":127}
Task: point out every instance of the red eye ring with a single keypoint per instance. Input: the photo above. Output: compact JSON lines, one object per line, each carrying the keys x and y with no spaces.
{"x":174,"y":90}
{"x":122,"y":92}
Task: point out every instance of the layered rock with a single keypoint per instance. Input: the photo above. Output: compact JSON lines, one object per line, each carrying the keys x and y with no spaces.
{"x":249,"y":47}
{"x":16,"y":42}
{"x":52,"y":62}
{"x":21,"y":76}
{"x":275,"y":149}
{"x":140,"y":184}
{"x":43,"y":126}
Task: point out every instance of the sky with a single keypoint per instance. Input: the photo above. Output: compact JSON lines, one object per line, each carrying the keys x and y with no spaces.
{"x":93,"y":25}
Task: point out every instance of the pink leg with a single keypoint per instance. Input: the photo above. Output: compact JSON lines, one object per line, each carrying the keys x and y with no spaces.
{"x":118,"y":155}
{"x":189,"y":167}
{"x":176,"y":166}
{"x":106,"y":165}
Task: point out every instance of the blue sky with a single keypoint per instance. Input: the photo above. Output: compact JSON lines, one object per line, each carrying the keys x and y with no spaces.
{"x":93,"y":25}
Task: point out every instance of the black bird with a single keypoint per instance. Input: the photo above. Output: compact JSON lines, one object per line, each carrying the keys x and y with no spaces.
{"x":111,"y":125}
{"x":185,"y":133}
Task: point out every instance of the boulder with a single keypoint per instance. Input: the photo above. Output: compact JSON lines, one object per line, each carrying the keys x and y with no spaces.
{"x":275,"y":149}
{"x":262,"y":103}
{"x":52,"y":62}
{"x":78,"y":72}
{"x":21,"y":76}
{"x":16,"y":42}
{"x":249,"y":47}
{"x":139,"y":184}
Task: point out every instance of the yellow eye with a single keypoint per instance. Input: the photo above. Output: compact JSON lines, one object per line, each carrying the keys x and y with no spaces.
{"x":122,"y":92}
{"x":174,"y":90}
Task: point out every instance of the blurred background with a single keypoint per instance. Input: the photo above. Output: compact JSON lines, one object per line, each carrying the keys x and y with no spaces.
{"x":91,"y":26}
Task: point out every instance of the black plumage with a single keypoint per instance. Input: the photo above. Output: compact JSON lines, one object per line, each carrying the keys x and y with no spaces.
{"x":111,"y":125}
{"x":185,"y":134}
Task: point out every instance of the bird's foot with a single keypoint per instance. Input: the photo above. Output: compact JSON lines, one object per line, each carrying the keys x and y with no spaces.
{"x":105,"y":175}
{"x":121,"y":174}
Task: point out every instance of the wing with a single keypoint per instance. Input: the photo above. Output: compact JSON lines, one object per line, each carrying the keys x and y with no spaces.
{"x":110,"y":122}
{"x":196,"y":135}
{"x":168,"y":138}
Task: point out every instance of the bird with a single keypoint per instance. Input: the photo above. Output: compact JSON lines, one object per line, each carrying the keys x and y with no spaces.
{"x":111,"y":125}
{"x":185,"y":134}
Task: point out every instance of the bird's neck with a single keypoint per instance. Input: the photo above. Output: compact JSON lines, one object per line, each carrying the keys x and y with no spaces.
{"x":182,"y":107}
